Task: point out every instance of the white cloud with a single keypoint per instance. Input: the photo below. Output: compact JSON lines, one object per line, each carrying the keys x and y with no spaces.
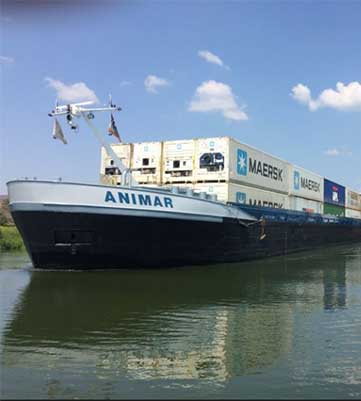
{"x":124,"y":83}
{"x":211,"y":58}
{"x":152,"y":83}
{"x":72,"y":93}
{"x":332,"y":152}
{"x":217,"y":96}
{"x":342,"y":151}
{"x":6,"y":60}
{"x":344,"y":98}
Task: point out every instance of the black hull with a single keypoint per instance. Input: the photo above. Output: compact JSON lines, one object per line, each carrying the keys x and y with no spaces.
{"x":85,"y":241}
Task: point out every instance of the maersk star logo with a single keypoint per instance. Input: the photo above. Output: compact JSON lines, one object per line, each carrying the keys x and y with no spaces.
{"x":242,"y":159}
{"x":296,"y":180}
{"x":241,"y":197}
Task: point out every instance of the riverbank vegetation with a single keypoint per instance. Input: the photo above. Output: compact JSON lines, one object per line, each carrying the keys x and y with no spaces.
{"x":10,"y":238}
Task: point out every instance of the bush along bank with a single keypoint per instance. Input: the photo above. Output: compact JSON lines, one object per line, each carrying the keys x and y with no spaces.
{"x":10,"y":239}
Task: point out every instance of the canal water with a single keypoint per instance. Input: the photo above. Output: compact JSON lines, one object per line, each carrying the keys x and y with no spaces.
{"x":286,"y":327}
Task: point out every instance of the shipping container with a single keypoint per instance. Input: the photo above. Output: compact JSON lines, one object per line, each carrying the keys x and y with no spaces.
{"x":123,"y":151}
{"x":333,"y":209}
{"x":333,"y":193}
{"x":230,"y":192}
{"x":253,"y":167}
{"x":305,"y":184}
{"x":178,"y":161}
{"x":211,"y":162}
{"x":305,"y":205}
{"x":225,"y":159}
{"x":355,"y":214}
{"x":353,"y":199}
{"x":146,"y":162}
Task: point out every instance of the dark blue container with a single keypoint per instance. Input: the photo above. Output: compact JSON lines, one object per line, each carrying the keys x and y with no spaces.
{"x":333,"y":193}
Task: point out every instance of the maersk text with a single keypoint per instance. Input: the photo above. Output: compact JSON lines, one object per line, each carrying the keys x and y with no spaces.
{"x":264,"y":169}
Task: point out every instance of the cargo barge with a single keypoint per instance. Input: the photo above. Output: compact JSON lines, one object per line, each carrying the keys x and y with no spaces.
{"x":78,"y":226}
{"x":82,"y":226}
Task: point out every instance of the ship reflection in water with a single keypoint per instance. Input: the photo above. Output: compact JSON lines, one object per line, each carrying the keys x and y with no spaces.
{"x":277,"y":327}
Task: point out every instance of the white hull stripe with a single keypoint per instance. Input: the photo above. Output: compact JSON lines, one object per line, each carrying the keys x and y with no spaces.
{"x":37,"y":207}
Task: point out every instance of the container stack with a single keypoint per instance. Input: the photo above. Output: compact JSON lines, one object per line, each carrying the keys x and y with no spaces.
{"x":230,"y":171}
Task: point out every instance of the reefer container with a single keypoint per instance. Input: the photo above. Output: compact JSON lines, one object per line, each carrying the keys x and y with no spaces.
{"x":178,"y":161}
{"x":305,"y":184}
{"x":333,"y":193}
{"x":230,"y":192}
{"x":123,"y":151}
{"x":355,"y":214}
{"x":225,"y":159}
{"x":146,"y":162}
{"x":109,"y":172}
{"x":212,"y":159}
{"x":353,"y":200}
{"x":305,"y":205}
{"x":333,"y":209}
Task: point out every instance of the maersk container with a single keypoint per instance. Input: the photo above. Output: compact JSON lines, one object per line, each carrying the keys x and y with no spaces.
{"x":225,"y":159}
{"x":146,"y":162}
{"x":333,"y":193}
{"x":305,"y":184}
{"x":178,"y":161}
{"x":242,"y":194}
{"x":334,"y":210}
{"x":355,"y":214}
{"x":305,"y":205}
{"x":253,"y":167}
{"x":353,"y":199}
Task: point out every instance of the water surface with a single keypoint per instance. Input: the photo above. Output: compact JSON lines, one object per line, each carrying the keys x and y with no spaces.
{"x":286,"y":327}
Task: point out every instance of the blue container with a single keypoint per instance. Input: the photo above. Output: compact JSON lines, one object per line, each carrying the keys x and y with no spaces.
{"x":333,"y":193}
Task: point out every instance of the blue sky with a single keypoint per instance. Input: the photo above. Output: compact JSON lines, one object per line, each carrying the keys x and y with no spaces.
{"x":267,"y":77}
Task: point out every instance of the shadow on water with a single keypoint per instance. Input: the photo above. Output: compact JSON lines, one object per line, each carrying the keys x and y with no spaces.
{"x":212,"y":323}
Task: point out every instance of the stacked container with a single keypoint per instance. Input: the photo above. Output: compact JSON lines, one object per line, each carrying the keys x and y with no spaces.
{"x":334,"y":198}
{"x":305,"y":190}
{"x":230,"y":192}
{"x":178,"y":161}
{"x":146,"y":162}
{"x":233,"y":172}
{"x":353,"y":204}
{"x":109,"y":173}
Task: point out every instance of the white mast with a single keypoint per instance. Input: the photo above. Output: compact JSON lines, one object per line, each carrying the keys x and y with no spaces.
{"x":77,"y":110}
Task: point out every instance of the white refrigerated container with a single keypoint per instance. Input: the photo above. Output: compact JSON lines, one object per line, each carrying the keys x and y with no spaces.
{"x":146,"y":162}
{"x":178,"y":161}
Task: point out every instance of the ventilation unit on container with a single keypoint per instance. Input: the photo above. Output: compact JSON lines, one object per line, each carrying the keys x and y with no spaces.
{"x":178,"y":160}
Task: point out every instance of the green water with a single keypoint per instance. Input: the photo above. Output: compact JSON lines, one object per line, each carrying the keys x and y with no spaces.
{"x":276,"y":328}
